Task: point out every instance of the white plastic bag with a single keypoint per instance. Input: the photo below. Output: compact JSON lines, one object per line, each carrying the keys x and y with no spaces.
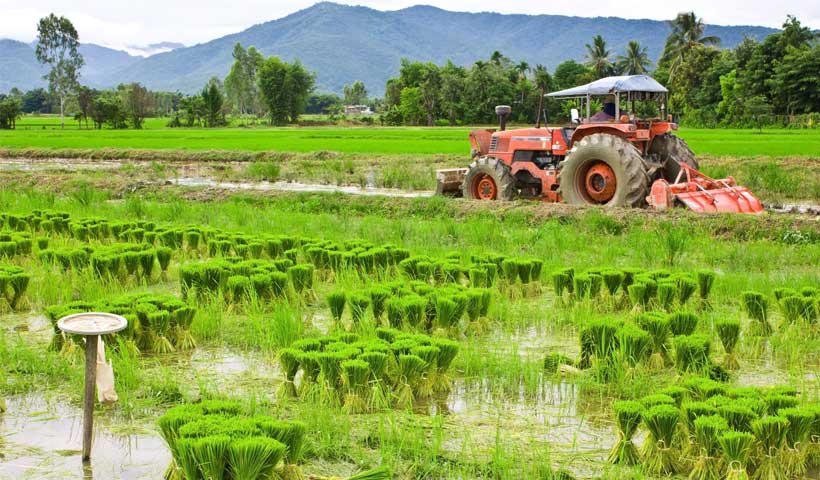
{"x":105,"y":376}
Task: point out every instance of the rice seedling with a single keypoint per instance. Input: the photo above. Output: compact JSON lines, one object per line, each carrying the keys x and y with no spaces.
{"x":395,"y":312}
{"x":657,"y":325}
{"x":359,"y":304}
{"x":628,"y":416}
{"x":14,"y":282}
{"x":411,"y":367}
{"x":654,"y":399}
{"x":667,"y":292}
{"x":737,"y":448}
{"x":795,"y":308}
{"x":613,"y":280}
{"x":661,"y":422}
{"x":706,"y":279}
{"x":356,"y":374}
{"x":634,"y":343}
{"x":289,"y":360}
{"x":708,"y":430}
{"x":756,"y":307}
{"x":682,"y":323}
{"x":254,"y":457}
{"x":637,"y":295}
{"x":692,"y":353}
{"x":729,"y":333}
{"x":561,"y":282}
{"x":797,"y":437}
{"x":378,"y":297}
{"x":770,"y":433}
{"x":336,"y":301}
{"x":738,"y":416}
{"x":686,"y":288}
{"x":301,"y":277}
{"x":414,"y":311}
{"x":582,"y":286}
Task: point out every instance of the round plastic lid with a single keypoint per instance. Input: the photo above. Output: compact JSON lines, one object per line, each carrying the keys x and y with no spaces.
{"x":92,"y":323}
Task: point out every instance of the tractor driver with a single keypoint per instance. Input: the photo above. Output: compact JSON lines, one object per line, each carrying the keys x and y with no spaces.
{"x":605,"y":115}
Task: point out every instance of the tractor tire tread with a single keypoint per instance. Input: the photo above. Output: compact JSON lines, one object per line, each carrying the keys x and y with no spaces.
{"x":627,"y":156}
{"x":498,"y":170}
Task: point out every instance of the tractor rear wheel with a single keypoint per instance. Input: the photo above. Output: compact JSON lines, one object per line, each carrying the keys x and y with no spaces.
{"x":672,"y":151}
{"x":603,"y":169}
{"x":488,"y":179}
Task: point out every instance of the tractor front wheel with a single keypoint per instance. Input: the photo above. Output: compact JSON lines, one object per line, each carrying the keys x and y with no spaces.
{"x":488,"y":179}
{"x":672,"y":151}
{"x":603,"y":169}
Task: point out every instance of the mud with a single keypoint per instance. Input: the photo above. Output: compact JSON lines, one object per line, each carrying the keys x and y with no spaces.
{"x":295,"y":187}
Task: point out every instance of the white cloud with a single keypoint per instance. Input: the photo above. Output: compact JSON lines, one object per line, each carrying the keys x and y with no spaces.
{"x":120,"y":23}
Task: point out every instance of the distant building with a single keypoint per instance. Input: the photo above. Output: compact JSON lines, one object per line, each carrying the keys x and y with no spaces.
{"x":358,"y":110}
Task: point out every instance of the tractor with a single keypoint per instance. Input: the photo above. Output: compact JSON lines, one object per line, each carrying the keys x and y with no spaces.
{"x":612,"y":158}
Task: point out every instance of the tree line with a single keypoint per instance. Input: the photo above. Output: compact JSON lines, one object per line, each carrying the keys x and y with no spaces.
{"x":775,"y":80}
{"x":754,"y":83}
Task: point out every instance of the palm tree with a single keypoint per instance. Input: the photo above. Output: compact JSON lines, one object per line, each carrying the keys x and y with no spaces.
{"x":598,"y":57}
{"x":635,"y":62}
{"x":522,"y":68}
{"x":687,"y":33}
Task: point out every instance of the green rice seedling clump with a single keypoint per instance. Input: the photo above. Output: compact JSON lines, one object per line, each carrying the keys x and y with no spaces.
{"x":628,"y":416}
{"x":661,"y":422}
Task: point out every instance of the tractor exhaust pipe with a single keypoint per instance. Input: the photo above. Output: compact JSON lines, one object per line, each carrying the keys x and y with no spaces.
{"x":503,"y":111}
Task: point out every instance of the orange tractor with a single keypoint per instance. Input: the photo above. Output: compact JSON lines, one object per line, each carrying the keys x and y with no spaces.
{"x":611,"y":158}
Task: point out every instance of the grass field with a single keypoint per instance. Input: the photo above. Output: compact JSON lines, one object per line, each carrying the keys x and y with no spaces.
{"x":369,"y":140}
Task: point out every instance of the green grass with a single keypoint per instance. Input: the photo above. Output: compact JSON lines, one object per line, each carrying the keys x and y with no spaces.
{"x":363,"y":140}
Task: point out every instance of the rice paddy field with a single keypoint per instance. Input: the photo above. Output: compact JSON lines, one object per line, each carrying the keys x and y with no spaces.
{"x":287,"y":335}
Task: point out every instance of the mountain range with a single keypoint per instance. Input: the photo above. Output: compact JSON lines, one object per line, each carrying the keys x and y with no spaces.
{"x":343,"y":43}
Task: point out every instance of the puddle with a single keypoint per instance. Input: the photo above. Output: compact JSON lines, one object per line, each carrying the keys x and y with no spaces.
{"x":44,"y":441}
{"x":801,"y":208}
{"x":296,"y":187}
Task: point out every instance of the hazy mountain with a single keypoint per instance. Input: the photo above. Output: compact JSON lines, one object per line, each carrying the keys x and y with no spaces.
{"x":19,"y":67}
{"x":152,"y":49}
{"x":343,"y":44}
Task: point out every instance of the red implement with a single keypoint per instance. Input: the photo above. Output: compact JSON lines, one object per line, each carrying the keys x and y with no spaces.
{"x":703,"y":194}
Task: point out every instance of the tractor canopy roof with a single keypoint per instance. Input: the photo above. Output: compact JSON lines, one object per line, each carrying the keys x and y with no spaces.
{"x":610,"y":85}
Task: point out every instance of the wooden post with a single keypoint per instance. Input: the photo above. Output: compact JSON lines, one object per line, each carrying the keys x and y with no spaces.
{"x":91,"y":342}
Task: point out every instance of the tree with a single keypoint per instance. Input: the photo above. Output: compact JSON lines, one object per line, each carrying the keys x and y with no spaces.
{"x":299,"y":84}
{"x":85,"y":97}
{"x":285,"y":89}
{"x":36,"y":101}
{"x":213,"y":103}
{"x":598,"y":57}
{"x":107,"y":108}
{"x":58,"y":47}
{"x":355,"y":94}
{"x":324,"y":103}
{"x":635,"y":62}
{"x":687,"y":33}
{"x":137,"y":102}
{"x":570,"y":74}
{"x":796,"y":81}
{"x":240,"y":84}
{"x":452,"y":91}
{"x":412,"y":106}
{"x":10,"y":111}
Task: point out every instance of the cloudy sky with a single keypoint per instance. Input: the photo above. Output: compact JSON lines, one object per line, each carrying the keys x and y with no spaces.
{"x":120,"y":23}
